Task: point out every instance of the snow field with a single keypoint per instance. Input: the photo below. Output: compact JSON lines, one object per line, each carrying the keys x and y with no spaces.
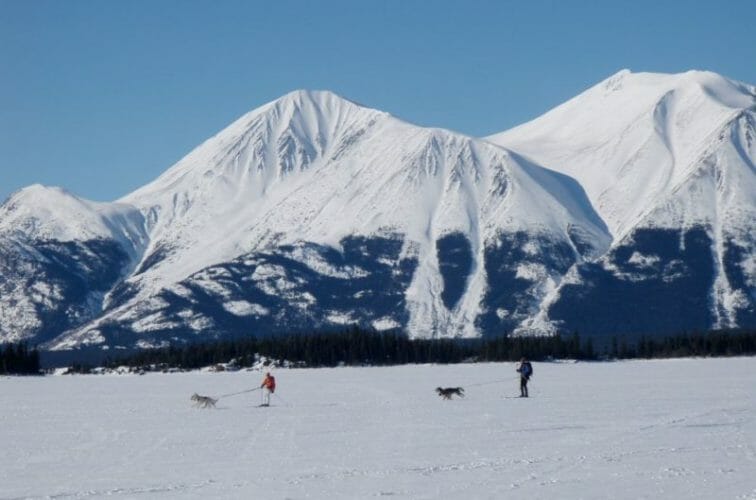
{"x":639,"y":429}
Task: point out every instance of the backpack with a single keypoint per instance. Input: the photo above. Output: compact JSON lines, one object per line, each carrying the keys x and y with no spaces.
{"x":527,"y":369}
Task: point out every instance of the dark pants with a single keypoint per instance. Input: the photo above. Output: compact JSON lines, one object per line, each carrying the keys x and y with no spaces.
{"x":524,"y":387}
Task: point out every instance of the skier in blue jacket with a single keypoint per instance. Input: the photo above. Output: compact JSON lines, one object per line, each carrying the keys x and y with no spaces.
{"x":526,"y":370}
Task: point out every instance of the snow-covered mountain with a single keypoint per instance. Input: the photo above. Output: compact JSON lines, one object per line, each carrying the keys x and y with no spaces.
{"x":668,"y":162}
{"x":313,"y":212}
{"x":59,"y":256}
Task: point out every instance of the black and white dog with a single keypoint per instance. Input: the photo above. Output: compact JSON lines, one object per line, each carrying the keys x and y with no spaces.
{"x":448,"y":392}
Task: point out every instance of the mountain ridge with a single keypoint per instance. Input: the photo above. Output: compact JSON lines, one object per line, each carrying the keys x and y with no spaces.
{"x":312,"y":211}
{"x":681,"y":162}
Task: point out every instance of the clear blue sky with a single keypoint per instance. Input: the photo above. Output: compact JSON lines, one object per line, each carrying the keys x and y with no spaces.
{"x":100,"y":97}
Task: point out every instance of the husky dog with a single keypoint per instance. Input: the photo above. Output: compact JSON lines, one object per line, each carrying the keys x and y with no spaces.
{"x":203,"y":401}
{"x":448,"y":392}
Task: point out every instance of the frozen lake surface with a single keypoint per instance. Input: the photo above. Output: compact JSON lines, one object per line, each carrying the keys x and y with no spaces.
{"x":624,"y":430}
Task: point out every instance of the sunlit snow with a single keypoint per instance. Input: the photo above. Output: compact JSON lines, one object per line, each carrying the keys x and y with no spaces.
{"x":623,"y":430}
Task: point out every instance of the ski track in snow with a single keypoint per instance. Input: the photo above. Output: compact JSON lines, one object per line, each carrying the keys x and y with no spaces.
{"x":639,"y":429}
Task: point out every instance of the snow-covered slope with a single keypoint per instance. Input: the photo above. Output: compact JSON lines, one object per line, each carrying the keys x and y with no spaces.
{"x":666,"y":160}
{"x":59,"y":257}
{"x":51,"y":213}
{"x":311,"y":172}
{"x":633,"y":139}
{"x":313,"y":166}
{"x":628,"y":209}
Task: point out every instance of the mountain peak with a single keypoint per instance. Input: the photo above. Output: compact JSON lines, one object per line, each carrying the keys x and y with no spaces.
{"x":313,"y":95}
{"x":37,"y":189}
{"x":614,"y":82}
{"x":266,"y":144}
{"x":52,"y":213}
{"x":632,"y":138}
{"x":47,"y":198}
{"x":309,"y":105}
{"x":653,"y":86}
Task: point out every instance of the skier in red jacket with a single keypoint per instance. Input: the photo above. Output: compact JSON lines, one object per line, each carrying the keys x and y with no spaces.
{"x":269,"y":387}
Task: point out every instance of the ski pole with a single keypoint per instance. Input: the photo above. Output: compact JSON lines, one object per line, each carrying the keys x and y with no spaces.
{"x":282,"y":399}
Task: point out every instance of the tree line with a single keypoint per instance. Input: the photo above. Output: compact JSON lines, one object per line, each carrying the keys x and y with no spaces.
{"x":357,"y":347}
{"x":713,"y":343}
{"x":18,"y":359}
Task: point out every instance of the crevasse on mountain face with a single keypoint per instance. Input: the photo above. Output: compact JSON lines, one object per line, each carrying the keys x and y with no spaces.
{"x":312,"y":212}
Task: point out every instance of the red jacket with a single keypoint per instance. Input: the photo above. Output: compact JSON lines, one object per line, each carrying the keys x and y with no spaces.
{"x":269,"y":383}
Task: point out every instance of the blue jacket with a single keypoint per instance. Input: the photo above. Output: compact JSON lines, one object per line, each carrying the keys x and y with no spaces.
{"x":525,"y":369}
